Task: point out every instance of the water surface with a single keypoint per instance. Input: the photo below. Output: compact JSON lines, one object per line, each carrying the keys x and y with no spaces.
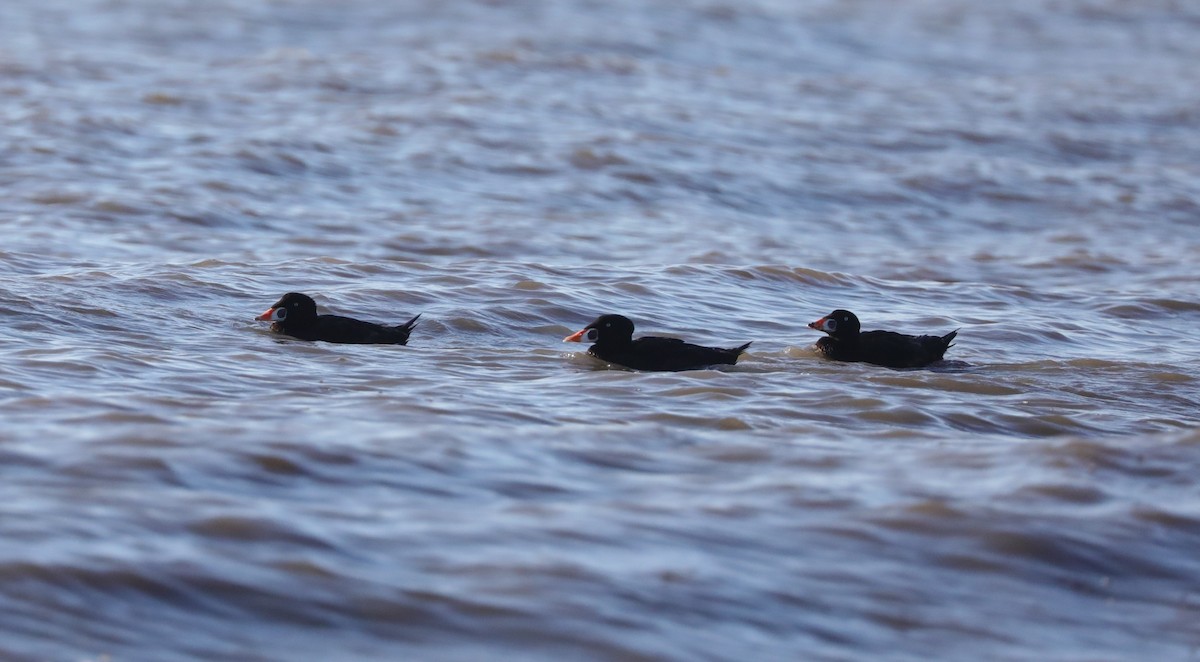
{"x":181,"y":484}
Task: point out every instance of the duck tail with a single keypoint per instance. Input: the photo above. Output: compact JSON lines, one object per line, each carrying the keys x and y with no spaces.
{"x":737,"y":351}
{"x":410,"y":324}
{"x":948,"y":339}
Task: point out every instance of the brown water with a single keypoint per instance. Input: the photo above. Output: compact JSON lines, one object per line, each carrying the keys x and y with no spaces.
{"x":179,"y":484}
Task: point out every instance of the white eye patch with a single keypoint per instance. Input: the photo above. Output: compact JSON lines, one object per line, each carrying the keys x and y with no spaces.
{"x":829,"y":325}
{"x":592,"y":335}
{"x":279,"y":314}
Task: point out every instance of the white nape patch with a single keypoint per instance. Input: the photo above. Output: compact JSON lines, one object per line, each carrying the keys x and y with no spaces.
{"x":592,"y":335}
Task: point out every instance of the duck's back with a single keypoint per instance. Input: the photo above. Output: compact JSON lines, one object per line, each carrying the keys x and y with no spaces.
{"x":666,"y":354}
{"x":898,"y":350}
{"x":339,"y":329}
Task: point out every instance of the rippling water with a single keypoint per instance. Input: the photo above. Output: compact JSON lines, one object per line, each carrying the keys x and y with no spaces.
{"x":180,"y":484}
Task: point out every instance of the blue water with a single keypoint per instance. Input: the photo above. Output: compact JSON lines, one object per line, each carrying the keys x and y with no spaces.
{"x":178,"y":483}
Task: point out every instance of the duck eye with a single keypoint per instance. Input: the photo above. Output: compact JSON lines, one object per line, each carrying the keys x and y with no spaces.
{"x":280,"y":313}
{"x":831,"y":325}
{"x":592,"y":335}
